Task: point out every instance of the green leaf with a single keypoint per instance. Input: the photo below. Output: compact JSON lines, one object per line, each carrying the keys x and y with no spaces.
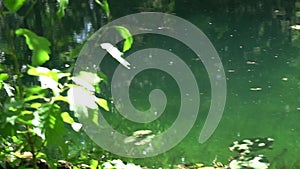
{"x":35,"y":105}
{"x":61,"y":98}
{"x":102,"y":103}
{"x":124,"y":32}
{"x":38,"y":44}
{"x":33,"y":93}
{"x":49,"y":125}
{"x":14,"y":5}
{"x":102,"y":76}
{"x":62,"y":6}
{"x":26,"y":117}
{"x":55,"y":130}
{"x":95,"y":116}
{"x":67,"y":118}
{"x":11,"y":119}
{"x":43,"y":71}
{"x":94,"y":164}
{"x":3,"y":76}
{"x":105,"y":6}
{"x":48,"y":78}
{"x":13,"y":105}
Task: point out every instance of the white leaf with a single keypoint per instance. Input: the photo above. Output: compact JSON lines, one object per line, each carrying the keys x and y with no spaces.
{"x":76,"y":126}
{"x":115,"y":53}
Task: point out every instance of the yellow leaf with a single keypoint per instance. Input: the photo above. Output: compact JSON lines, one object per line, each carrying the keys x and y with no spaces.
{"x":67,"y":118}
{"x":102,"y":103}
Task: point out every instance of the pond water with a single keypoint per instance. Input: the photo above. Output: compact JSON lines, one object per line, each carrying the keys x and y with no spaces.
{"x":261,"y":58}
{"x":260,"y":55}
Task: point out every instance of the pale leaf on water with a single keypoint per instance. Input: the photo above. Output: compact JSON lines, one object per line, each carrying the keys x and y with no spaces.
{"x":115,"y":53}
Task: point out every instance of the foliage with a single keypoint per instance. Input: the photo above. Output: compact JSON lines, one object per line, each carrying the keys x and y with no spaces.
{"x":105,"y":6}
{"x":14,"y":5}
{"x":39,"y":46}
{"x":62,"y":6}
{"x":36,"y":117}
{"x":124,"y":32}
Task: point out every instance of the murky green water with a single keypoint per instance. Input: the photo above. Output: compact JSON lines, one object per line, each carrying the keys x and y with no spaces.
{"x":260,"y":55}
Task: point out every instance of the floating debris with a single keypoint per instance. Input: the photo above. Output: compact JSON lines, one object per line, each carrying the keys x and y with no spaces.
{"x":295,"y":27}
{"x":246,"y":158}
{"x":248,"y":145}
{"x":253,"y":162}
{"x":231,"y":70}
{"x":285,"y":79}
{"x":140,"y":137}
{"x":255,"y":88}
{"x":251,"y":63}
{"x":119,"y":164}
{"x":192,"y":166}
{"x":115,"y":53}
{"x":140,"y":133}
{"x":163,"y":27}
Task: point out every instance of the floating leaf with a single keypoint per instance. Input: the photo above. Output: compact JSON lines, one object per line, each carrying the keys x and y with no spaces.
{"x":140,"y":133}
{"x":62,"y":6}
{"x":38,"y":44}
{"x":124,"y":32}
{"x":14,"y":5}
{"x":115,"y":53}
